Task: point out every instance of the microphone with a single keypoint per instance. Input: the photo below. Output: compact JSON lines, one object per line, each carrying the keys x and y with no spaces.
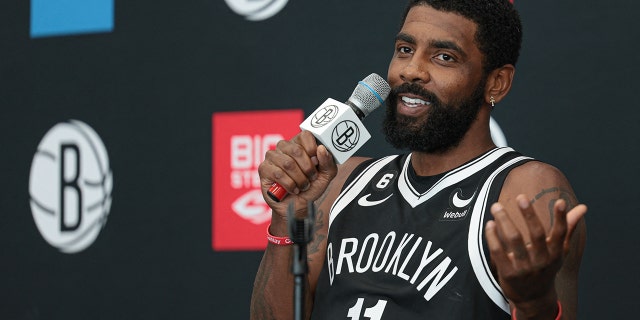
{"x":338,"y":125}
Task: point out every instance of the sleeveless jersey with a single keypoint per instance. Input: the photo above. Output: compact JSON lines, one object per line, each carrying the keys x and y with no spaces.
{"x":402,"y":247}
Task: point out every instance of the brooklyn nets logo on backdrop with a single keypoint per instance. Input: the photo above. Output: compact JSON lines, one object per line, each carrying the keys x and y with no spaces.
{"x":70,"y":186}
{"x":256,"y":10}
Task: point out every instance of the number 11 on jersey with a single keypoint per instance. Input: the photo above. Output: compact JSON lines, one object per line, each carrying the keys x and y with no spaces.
{"x":373,"y":313}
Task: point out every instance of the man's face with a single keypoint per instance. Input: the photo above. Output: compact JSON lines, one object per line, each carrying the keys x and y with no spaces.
{"x":437,"y":80}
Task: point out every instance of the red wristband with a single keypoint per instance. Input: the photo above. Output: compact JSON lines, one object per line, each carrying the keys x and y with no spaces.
{"x":281,"y":241}
{"x":558,"y":317}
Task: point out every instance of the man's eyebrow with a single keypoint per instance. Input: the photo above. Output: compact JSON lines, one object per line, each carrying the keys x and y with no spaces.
{"x":406,"y":38}
{"x":445,"y":44}
{"x":437,"y":44}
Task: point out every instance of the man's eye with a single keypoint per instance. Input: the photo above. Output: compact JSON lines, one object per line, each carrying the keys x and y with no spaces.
{"x":404,"y":49}
{"x":445,"y":57}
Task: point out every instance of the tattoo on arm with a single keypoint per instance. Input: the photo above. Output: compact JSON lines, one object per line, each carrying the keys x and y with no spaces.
{"x":319,"y":238}
{"x":559,"y":193}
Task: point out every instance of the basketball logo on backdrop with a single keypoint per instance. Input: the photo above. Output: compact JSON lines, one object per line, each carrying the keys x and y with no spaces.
{"x":239,"y":143}
{"x":497,"y":135}
{"x":324,"y":116}
{"x":70,"y":186}
{"x":345,"y":136}
{"x":256,"y":10}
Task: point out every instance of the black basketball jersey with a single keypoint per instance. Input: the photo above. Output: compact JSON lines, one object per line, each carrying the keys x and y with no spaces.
{"x":407,"y":247}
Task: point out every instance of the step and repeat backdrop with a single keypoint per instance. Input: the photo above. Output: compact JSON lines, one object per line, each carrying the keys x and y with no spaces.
{"x":132,"y":131}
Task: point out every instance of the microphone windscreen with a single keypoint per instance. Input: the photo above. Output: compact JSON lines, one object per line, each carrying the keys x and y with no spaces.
{"x":370,"y":93}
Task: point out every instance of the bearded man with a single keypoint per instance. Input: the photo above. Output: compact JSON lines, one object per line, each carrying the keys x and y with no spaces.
{"x":455,"y":229}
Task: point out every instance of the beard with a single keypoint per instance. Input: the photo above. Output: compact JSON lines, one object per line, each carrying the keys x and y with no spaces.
{"x":443,"y":127}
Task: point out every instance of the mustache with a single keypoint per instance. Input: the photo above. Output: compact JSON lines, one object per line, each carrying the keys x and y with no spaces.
{"x":415,"y":89}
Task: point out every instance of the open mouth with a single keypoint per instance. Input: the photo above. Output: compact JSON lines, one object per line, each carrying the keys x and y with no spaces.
{"x":414,"y":102}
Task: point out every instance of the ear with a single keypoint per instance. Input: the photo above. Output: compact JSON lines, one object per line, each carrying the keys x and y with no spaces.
{"x":499,"y":83}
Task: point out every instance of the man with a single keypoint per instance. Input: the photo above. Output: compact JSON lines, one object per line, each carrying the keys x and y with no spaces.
{"x":456,"y":229}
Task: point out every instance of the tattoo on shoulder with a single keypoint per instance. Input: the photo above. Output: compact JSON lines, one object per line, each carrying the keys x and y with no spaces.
{"x":553,"y":194}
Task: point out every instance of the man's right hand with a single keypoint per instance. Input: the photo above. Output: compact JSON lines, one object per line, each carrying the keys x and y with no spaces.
{"x":302,"y":167}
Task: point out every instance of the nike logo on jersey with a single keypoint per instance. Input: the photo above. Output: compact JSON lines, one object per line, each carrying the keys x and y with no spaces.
{"x":459,"y":207}
{"x":460,"y":203}
{"x":365,"y":202}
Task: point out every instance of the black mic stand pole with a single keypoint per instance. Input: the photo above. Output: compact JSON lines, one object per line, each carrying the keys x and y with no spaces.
{"x":301,"y":233}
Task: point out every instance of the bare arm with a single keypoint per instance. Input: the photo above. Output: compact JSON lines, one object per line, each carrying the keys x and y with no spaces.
{"x":308,"y":172}
{"x":272,"y":296}
{"x":536,"y":242}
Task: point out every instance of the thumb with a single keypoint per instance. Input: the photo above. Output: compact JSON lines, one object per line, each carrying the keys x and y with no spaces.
{"x":327,"y":168}
{"x":573,"y":218}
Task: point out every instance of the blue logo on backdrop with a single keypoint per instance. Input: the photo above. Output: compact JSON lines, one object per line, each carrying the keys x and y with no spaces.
{"x":67,"y":17}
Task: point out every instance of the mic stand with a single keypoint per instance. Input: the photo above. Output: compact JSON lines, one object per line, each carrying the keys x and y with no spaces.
{"x":301,"y":233}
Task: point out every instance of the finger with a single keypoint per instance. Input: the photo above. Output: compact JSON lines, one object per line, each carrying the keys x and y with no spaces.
{"x":510,"y":236}
{"x":573,"y":217}
{"x":271,"y":173}
{"x":538,"y":246}
{"x":296,"y":162}
{"x":308,"y":141}
{"x":266,"y":167}
{"x":555,"y":241}
{"x":327,"y":167}
{"x":310,"y":145}
{"x":284,"y":169}
{"x":497,"y":252}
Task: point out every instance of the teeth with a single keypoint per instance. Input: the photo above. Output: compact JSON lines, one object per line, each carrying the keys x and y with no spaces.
{"x":414,"y":102}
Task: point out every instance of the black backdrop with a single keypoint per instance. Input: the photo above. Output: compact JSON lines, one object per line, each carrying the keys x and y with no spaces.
{"x":150,"y":87}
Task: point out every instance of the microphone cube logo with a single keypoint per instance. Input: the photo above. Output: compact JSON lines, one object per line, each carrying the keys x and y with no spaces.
{"x":70,"y":186}
{"x":345,"y":136}
{"x":338,"y":128}
{"x":324,"y":116}
{"x":66,"y":17}
{"x":239,"y":143}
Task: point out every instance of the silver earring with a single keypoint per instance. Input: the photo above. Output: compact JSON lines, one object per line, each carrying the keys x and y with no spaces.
{"x":492,"y":100}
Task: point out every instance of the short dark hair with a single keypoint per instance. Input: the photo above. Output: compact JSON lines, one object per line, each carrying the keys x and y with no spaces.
{"x":499,"y":30}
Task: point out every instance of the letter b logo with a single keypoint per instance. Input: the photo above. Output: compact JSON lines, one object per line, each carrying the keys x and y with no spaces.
{"x":345,"y":136}
{"x":70,"y":186}
{"x":70,"y":192}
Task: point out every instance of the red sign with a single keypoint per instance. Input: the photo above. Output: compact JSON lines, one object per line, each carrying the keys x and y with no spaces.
{"x":239,"y":141}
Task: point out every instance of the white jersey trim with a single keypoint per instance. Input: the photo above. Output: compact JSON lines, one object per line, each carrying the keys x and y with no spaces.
{"x":357,"y":185}
{"x":475,"y":241}
{"x":415,"y":198}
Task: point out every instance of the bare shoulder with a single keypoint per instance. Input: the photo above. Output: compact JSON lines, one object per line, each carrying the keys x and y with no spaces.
{"x":539,"y":181}
{"x":543,"y":184}
{"x":533,"y":171}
